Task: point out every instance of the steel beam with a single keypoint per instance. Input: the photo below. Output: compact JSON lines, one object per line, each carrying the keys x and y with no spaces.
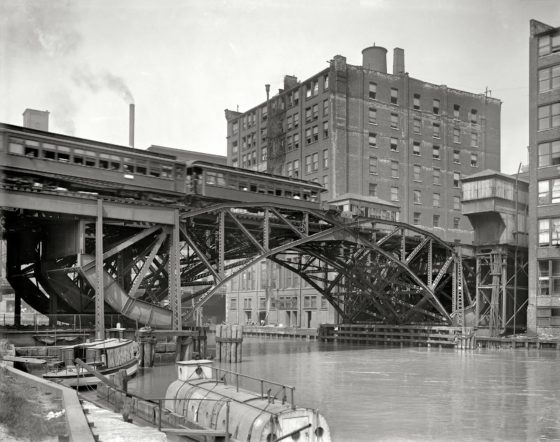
{"x":174,"y":274}
{"x":146,"y":266}
{"x":99,"y":289}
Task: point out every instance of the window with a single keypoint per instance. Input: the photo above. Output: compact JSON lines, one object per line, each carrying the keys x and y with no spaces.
{"x":289,"y":144}
{"x":316,"y":161}
{"x":549,"y":154}
{"x":416,"y":148}
{"x":457,"y":157}
{"x":549,"y":78}
{"x":549,"y":191}
{"x":315,"y":111}
{"x":325,"y":158}
{"x":296,"y":141}
{"x":316,"y":132}
{"x":456,"y":203}
{"x":394,"y":193}
{"x":308,"y":135}
{"x":436,"y":152}
{"x":416,"y":218}
{"x":372,"y":189}
{"x":456,"y":222}
{"x":234,"y":147}
{"x":417,"y":125}
{"x":549,"y":116}
{"x":394,"y":121}
{"x":372,"y":139}
{"x":289,"y":122}
{"x":474,"y":116}
{"x":315,"y":86}
{"x":235,"y":163}
{"x":264,"y":154}
{"x":549,"y":44}
{"x":325,"y":129}
{"x":373,"y":165}
{"x":417,"y":197}
{"x":296,"y":168}
{"x":456,"y":109}
{"x":417,"y":172}
{"x":372,"y":115}
{"x":435,"y":200}
{"x":436,"y":106}
{"x":416,"y":102}
{"x":474,"y":139}
{"x":308,"y":114}
{"x":326,"y":181}
{"x":549,"y":277}
{"x":264,"y":113}
{"x":437,"y":177}
{"x":436,"y":220}
{"x":235,"y":127}
{"x":373,"y":91}
{"x":474,"y":160}
{"x":394,"y":144}
{"x":437,"y":130}
{"x":296,"y":98}
{"x":456,"y":135}
{"x":549,"y":232}
{"x":325,"y":108}
{"x":263,"y":136}
{"x":308,"y":90}
{"x":456,"y":179}
{"x":233,"y":304}
{"x":326,"y":82}
{"x":308,"y":164}
{"x":296,"y":120}
{"x":394,"y":169}
{"x":394,"y":96}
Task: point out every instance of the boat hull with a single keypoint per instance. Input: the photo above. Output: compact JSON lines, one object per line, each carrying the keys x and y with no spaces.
{"x":77,"y":377}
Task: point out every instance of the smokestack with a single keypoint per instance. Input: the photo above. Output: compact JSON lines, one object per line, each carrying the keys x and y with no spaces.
{"x":131,"y":125}
{"x":398,"y":61}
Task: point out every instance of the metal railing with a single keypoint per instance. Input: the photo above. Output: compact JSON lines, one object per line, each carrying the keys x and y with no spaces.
{"x":63,"y":321}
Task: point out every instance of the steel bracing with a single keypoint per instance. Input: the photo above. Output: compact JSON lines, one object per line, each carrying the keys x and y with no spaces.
{"x":161,"y":274}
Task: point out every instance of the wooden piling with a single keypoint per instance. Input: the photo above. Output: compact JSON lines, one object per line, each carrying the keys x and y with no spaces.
{"x":229,"y":340}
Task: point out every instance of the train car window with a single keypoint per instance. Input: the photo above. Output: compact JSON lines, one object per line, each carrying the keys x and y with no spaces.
{"x":36,"y":144}
{"x":49,"y":154}
{"x":278,"y":192}
{"x":115,"y":163}
{"x":253,"y":188}
{"x":166,"y":172}
{"x":78,"y":159}
{"x":63,"y":154}
{"x":141,"y":167}
{"x":179,"y":172}
{"x":91,"y":161}
{"x":128,"y":165}
{"x":103,"y":161}
{"x":220,"y":180}
{"x":155,"y":170}
{"x":243,"y":186}
{"x":210,"y":177}
{"x":17,"y":148}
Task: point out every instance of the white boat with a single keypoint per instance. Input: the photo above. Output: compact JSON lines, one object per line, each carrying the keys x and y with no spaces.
{"x":107,"y":357}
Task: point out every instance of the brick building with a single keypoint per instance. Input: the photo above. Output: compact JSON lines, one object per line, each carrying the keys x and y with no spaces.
{"x":361,"y":131}
{"x":543,"y":315}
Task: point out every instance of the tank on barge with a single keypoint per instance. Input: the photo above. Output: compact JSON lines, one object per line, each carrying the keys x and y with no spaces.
{"x":209,"y":401}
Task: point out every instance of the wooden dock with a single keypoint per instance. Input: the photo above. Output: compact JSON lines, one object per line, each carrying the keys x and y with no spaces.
{"x":280,"y":332}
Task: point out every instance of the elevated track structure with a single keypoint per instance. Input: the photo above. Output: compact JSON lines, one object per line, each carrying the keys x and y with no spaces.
{"x":98,"y":228}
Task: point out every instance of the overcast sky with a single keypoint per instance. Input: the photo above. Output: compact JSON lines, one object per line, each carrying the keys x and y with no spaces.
{"x":184,"y":61}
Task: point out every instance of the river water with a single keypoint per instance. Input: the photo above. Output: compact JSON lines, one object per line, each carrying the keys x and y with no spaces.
{"x":411,"y":393}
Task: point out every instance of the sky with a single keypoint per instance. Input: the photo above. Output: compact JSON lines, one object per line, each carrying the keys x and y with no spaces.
{"x":183,"y":62}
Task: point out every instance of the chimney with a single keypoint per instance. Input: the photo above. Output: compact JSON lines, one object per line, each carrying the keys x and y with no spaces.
{"x":36,"y":119}
{"x":290,"y":81}
{"x":398,"y":61}
{"x":131,"y":125}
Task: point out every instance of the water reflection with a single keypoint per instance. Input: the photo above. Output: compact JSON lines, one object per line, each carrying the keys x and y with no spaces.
{"x":383,"y":393}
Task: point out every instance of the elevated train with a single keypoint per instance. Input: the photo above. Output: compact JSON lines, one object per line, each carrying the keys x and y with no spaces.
{"x":35,"y":160}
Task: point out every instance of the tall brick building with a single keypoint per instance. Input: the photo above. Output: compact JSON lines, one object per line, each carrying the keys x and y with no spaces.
{"x":362,"y":131}
{"x":543,"y":315}
{"x":382,"y":144}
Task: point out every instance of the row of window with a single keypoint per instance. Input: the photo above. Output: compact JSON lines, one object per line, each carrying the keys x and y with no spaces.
{"x":549,"y":191}
{"x":416,"y":103}
{"x":549,"y":232}
{"x":549,"y":277}
{"x":548,"y":154}
{"x":549,"y":116}
{"x":549,"y":44}
{"x":283,"y":303}
{"x":549,"y":78}
{"x":417,"y":220}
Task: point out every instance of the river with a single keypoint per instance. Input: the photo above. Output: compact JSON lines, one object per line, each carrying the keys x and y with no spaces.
{"x":411,"y":393}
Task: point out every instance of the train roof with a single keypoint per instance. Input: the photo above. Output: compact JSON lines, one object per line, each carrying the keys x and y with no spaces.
{"x":253,"y":173}
{"x":94,"y":143}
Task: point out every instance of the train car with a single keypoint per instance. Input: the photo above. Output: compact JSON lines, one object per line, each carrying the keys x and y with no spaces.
{"x":208,"y":402}
{"x":44,"y":160}
{"x":231,"y":183}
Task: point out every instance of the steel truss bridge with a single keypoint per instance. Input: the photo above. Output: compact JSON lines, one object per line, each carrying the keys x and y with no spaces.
{"x":160,"y":262}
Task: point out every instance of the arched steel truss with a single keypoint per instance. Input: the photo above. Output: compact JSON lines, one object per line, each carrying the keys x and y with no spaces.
{"x":368,"y":269}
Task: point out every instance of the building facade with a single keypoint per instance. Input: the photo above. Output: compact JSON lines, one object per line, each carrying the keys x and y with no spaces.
{"x":543,"y":315}
{"x":361,"y":131}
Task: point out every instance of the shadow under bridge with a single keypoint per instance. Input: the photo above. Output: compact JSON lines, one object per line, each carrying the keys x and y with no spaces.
{"x":368,"y":269}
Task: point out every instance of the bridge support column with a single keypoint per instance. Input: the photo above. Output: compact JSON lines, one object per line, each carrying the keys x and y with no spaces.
{"x":174,"y":276}
{"x":99,"y":290}
{"x":17,"y":309}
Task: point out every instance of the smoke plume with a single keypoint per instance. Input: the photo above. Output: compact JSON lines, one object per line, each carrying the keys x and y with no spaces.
{"x":84,"y":77}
